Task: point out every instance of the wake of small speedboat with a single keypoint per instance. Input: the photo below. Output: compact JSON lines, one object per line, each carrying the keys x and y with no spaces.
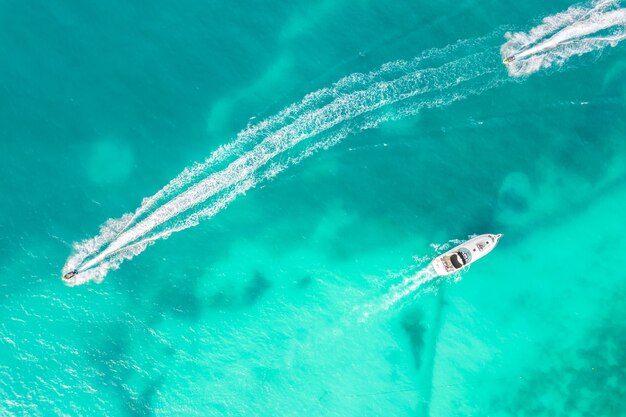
{"x":576,"y":31}
{"x":360,"y":101}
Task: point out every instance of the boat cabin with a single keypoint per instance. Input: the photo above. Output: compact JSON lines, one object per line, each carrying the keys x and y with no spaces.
{"x":460,"y":258}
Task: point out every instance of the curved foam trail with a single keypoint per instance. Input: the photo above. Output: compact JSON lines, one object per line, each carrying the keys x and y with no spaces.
{"x":319,"y":121}
{"x":254,"y":133}
{"x":576,"y":31}
{"x":412,"y":282}
{"x":408,"y":286}
{"x":309,"y":102}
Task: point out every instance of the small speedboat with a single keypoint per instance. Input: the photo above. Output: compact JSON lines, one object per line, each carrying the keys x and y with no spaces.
{"x":70,"y":275}
{"x":466,"y":253}
{"x":508,"y":60}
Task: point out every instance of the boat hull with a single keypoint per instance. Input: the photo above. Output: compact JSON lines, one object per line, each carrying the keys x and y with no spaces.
{"x":464,"y":255}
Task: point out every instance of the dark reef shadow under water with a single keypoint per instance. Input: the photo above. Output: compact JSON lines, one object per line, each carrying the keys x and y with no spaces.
{"x":256,"y":289}
{"x":586,"y":380}
{"x":414,"y":328}
{"x":111,"y":357}
{"x":422,"y":331}
{"x":229,"y":298}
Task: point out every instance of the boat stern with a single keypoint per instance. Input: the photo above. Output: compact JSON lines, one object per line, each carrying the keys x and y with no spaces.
{"x":441,"y":267}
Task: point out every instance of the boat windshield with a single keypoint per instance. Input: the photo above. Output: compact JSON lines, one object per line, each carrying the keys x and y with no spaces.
{"x":457,"y":260}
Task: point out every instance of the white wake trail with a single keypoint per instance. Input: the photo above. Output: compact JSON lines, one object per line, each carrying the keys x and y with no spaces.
{"x":576,"y":31}
{"x":258,"y":153}
{"x":252,"y":135}
{"x":311,"y":101}
{"x":409,"y":285}
{"x":359,"y":101}
{"x":413,"y":281}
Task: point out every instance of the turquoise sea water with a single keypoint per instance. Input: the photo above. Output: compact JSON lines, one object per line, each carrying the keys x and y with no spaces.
{"x":285,"y":303}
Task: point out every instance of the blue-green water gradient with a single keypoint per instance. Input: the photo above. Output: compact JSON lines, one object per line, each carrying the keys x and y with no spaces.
{"x":259,"y":310}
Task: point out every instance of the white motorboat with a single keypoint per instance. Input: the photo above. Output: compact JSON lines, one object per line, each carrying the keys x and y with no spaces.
{"x":463,"y":255}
